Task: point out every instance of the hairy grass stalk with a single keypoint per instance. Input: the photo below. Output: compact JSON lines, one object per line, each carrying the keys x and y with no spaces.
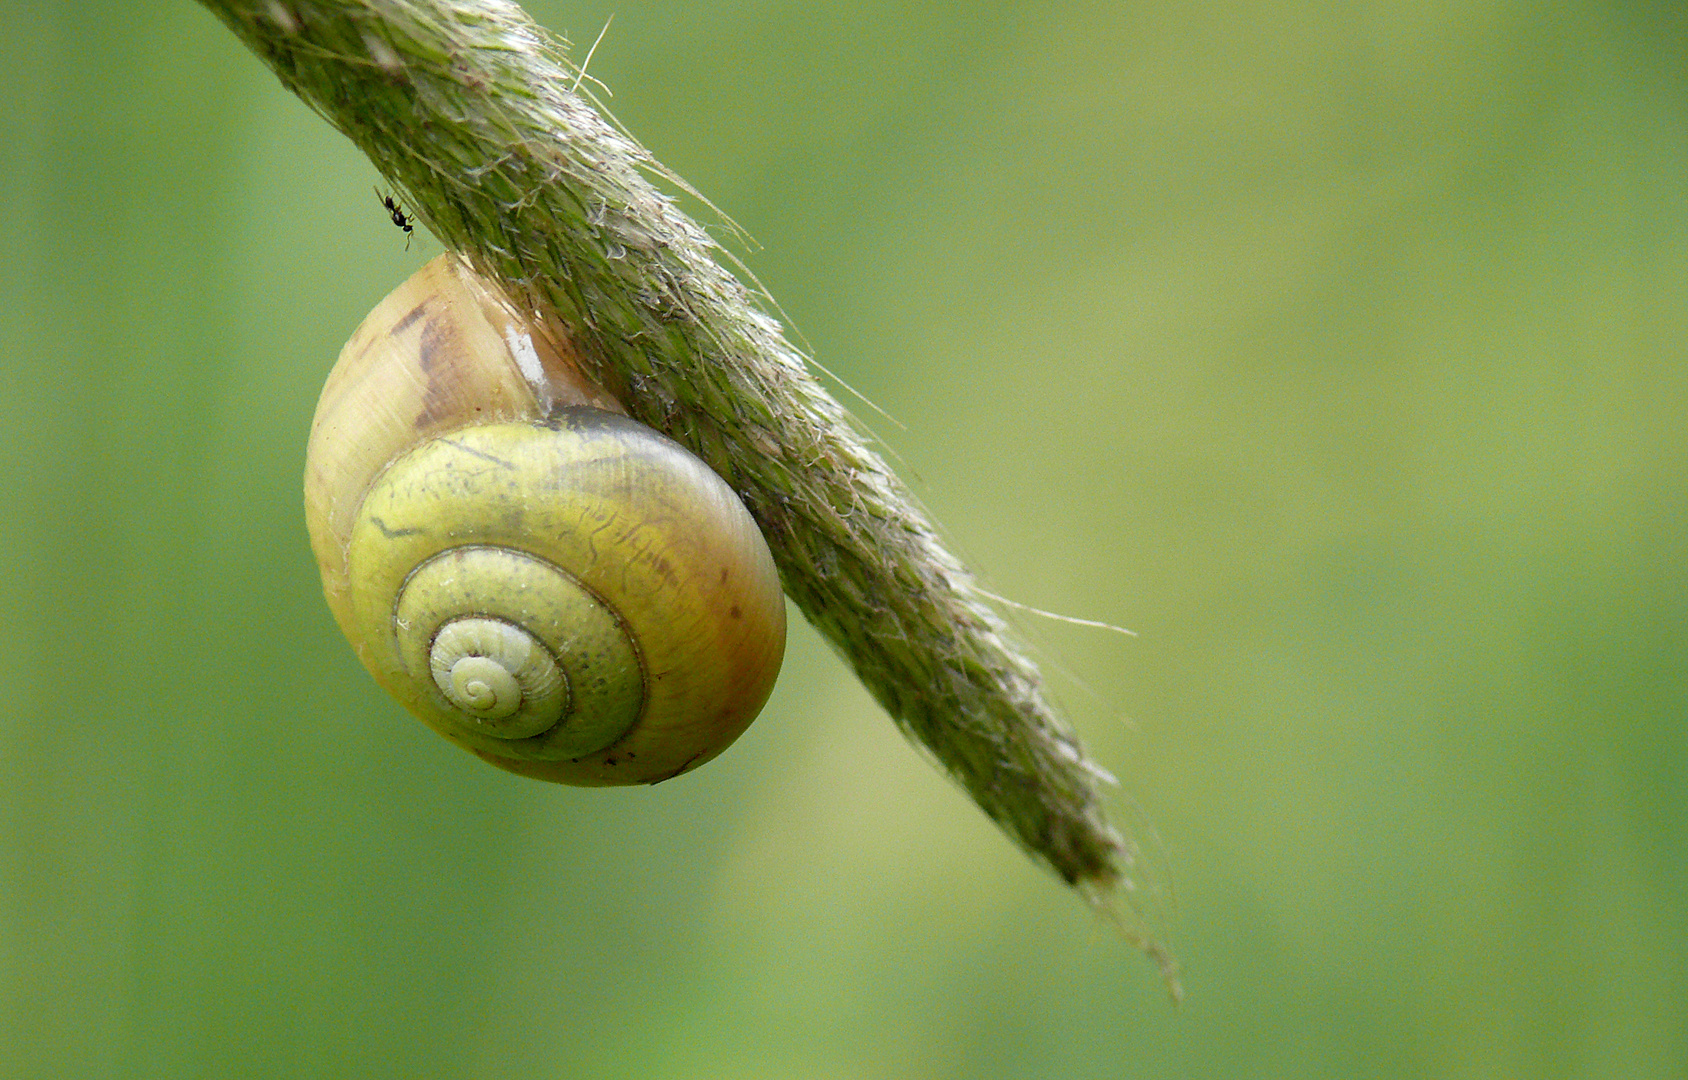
{"x":472,"y":112}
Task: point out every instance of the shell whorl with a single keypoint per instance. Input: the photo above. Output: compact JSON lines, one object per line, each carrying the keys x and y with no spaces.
{"x":525,"y":661}
{"x":502,"y":678}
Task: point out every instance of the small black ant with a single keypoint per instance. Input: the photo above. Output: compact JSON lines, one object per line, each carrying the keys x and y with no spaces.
{"x":399,"y":218}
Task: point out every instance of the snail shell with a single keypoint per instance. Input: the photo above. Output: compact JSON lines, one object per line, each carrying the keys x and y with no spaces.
{"x":545,"y":582}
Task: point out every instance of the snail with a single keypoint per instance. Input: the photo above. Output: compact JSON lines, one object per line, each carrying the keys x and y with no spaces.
{"x":558,"y":589}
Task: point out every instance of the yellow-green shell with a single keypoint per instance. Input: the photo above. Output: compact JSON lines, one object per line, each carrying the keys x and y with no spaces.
{"x":556,"y":588}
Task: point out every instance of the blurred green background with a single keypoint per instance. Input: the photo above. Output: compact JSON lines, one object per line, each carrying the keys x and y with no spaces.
{"x":1336,"y":349}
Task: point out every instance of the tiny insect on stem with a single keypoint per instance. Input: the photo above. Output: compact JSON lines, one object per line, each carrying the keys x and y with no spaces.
{"x":399,"y":217}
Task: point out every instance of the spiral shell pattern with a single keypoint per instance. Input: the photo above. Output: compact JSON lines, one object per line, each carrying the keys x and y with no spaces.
{"x":560,"y":590}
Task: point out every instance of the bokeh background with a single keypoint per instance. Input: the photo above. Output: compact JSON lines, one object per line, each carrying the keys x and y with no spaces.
{"x":1337,"y":349}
